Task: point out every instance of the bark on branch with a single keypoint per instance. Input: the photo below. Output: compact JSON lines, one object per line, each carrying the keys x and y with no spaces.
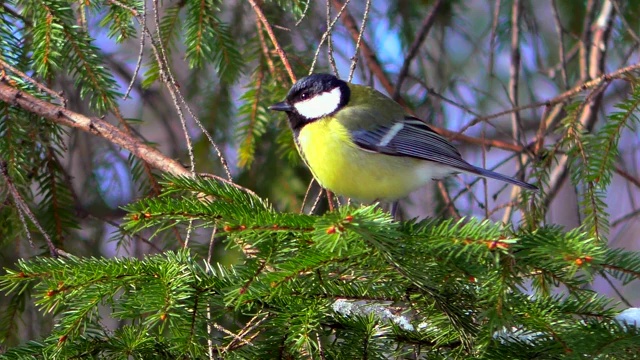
{"x":95,"y":126}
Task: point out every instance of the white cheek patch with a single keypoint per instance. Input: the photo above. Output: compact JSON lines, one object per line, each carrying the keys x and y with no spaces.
{"x":319,"y":105}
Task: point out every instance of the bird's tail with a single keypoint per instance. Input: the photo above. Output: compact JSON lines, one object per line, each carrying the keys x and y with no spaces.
{"x":510,"y":180}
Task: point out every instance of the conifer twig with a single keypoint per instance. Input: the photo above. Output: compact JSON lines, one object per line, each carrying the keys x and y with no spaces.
{"x":35,"y":83}
{"x":100,"y":128}
{"x":592,"y":69}
{"x":95,"y":126}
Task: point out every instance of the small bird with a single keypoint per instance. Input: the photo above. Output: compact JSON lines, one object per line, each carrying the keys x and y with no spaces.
{"x":361,"y":144}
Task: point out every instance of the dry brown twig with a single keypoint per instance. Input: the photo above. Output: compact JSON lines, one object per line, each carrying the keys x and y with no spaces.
{"x":426,"y":25}
{"x":595,"y":65}
{"x":514,"y":80}
{"x":279,"y":50}
{"x":23,"y":209}
{"x":98,"y":127}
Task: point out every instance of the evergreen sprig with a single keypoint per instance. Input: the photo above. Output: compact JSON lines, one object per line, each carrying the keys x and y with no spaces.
{"x":254,"y":119}
{"x":209,"y":40}
{"x":59,"y":43}
{"x":583,"y":172}
{"x":460,"y":288}
{"x":121,"y":21}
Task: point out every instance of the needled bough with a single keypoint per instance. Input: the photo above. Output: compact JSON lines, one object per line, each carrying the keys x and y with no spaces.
{"x":352,"y":282}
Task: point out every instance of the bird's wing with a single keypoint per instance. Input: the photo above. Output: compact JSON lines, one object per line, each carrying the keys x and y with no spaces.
{"x":410,"y":137}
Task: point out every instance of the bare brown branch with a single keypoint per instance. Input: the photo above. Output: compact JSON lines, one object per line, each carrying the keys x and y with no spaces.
{"x":426,"y":25}
{"x":281,"y":53}
{"x":596,"y":66}
{"x":95,"y":126}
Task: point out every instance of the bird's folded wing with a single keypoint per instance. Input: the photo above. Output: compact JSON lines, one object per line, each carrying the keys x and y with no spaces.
{"x":410,"y":137}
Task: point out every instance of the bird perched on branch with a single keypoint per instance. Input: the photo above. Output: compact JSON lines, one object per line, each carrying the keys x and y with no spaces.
{"x":361,"y":144}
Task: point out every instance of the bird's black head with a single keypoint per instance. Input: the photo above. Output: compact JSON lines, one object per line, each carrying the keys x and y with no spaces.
{"x":312,"y":98}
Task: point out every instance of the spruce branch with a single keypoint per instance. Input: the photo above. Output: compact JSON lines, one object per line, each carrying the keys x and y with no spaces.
{"x":95,"y":126}
{"x":32,"y":81}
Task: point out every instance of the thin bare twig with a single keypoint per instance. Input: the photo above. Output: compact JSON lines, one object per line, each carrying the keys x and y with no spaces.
{"x":228,"y":182}
{"x":326,"y":36}
{"x":320,"y":349}
{"x":595,"y":82}
{"x":585,"y":39}
{"x":493,"y":37}
{"x":354,"y":58}
{"x":626,"y":25}
{"x":304,"y":13}
{"x":250,"y":326}
{"x":265,"y":52}
{"x":569,"y":56}
{"x":367,"y":52}
{"x":122,"y":229}
{"x":624,"y":218}
{"x":24,"y":208}
{"x":281,"y":53}
{"x":620,"y":171}
{"x":306,"y":194}
{"x":167,"y":77}
{"x":169,"y":80}
{"x":332,"y":59}
{"x":208,"y":270}
{"x":316,"y":202}
{"x":514,"y":78}
{"x":449,"y":204}
{"x":426,"y":25}
{"x":143,"y":38}
{"x":615,"y":289}
{"x":559,"y":29}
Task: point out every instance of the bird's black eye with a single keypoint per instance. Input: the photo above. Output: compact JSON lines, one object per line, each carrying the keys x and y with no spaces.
{"x":304,"y":96}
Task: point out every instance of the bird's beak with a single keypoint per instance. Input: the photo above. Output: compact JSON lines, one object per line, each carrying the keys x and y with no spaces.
{"x":281,"y":106}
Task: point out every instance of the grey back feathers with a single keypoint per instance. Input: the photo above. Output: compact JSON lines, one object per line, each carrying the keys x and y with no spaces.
{"x":376,"y":123}
{"x":412,"y":137}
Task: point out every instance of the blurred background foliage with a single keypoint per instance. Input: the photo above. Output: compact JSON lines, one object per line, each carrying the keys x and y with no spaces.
{"x":223,"y":70}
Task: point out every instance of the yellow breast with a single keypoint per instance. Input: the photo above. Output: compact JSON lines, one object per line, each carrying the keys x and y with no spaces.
{"x":340,"y":166}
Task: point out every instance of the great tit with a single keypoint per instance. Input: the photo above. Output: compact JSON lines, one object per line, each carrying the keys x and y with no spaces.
{"x":361,"y":144}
